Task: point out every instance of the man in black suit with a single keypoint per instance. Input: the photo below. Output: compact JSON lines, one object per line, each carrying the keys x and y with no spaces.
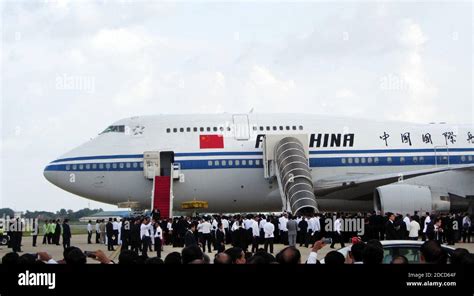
{"x":135,"y":240}
{"x":390,"y":231}
{"x":303,"y":226}
{"x":220,"y":238}
{"x":66,"y":234}
{"x":109,"y":228}
{"x":57,"y":233}
{"x":189,"y":237}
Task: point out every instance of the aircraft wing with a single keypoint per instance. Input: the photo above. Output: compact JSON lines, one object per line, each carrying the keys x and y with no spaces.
{"x":364,"y":184}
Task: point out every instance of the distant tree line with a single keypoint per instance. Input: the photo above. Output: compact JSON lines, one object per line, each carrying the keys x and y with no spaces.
{"x":61,"y":214}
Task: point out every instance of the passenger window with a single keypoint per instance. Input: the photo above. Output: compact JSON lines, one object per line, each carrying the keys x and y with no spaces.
{"x":244,"y":162}
{"x":68,"y":167}
{"x":287,"y":127}
{"x":74,"y":167}
{"x":175,"y":130}
{"x":88,"y":166}
{"x":294,"y":127}
{"x":135,"y":164}
{"x":195,"y":129}
{"x":208,"y":129}
{"x":237,"y":162}
{"x":268,"y":128}
{"x":128,"y":165}
{"x":181,"y":130}
{"x":121,"y":165}
{"x":168,"y":130}
{"x":274,"y":128}
{"x":214,"y":128}
{"x":254,"y":128}
{"x":101,"y":166}
{"x":216,"y":162}
{"x":114,"y":165}
{"x":231,"y":162}
{"x":188,"y":129}
{"x":257,"y":162}
{"x":250,"y":162}
{"x":81,"y":167}
{"x":343,"y":160}
{"x":301,"y":127}
{"x":281,"y":127}
{"x":209,"y":163}
{"x":262,"y":128}
{"x":201,"y":129}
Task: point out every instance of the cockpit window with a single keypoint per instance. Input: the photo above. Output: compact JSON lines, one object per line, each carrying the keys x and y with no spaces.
{"x":114,"y":129}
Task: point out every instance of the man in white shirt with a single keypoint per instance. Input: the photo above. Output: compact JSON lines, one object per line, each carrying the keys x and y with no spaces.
{"x":316,"y":226}
{"x":283,"y":229}
{"x":255,"y":234}
{"x":262,"y":222}
{"x":206,"y":235}
{"x":407,"y":223}
{"x":268,"y":230}
{"x":425,"y":226}
{"x":158,"y":238}
{"x":338,"y":232}
{"x":89,"y":232}
{"x":145,"y":235}
{"x":116,"y":228}
{"x":466,"y":228}
{"x":225,"y":226}
{"x":414,"y":229}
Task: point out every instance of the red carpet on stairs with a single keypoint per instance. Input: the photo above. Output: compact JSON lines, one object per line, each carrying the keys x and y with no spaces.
{"x":161,"y":198}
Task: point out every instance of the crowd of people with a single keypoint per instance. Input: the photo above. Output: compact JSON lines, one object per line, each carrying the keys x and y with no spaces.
{"x":252,"y":237}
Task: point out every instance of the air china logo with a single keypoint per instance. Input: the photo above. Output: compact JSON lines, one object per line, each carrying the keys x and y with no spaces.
{"x":37,"y":279}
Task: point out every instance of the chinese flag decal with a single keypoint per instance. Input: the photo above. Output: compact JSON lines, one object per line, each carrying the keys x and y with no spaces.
{"x":211,"y":141}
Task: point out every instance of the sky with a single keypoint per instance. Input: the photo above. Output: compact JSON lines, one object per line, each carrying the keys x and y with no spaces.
{"x":70,"y":68}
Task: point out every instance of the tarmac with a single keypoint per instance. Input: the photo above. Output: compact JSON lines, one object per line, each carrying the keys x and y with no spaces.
{"x":80,"y":241}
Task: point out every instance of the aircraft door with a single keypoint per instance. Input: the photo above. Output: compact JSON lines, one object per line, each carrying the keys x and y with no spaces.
{"x":166,"y":162}
{"x":241,"y":127}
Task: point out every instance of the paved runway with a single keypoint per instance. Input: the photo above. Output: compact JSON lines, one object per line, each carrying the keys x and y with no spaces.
{"x":81,"y":241}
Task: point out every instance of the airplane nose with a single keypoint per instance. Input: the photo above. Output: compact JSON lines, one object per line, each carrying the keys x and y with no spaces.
{"x":49,"y":174}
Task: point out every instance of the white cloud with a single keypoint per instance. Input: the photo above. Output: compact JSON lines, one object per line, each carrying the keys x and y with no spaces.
{"x":421,"y":91}
{"x":121,"y":40}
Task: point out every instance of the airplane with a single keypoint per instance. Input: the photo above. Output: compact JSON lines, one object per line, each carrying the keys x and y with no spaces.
{"x":300,"y":163}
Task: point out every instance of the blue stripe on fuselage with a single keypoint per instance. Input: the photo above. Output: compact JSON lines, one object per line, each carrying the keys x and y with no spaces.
{"x":229,"y":153}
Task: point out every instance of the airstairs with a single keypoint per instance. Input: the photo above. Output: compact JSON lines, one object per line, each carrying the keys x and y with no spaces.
{"x":159,"y":166}
{"x":286,"y":158}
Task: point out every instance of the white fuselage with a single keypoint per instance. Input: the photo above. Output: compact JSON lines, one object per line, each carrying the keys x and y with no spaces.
{"x":109,"y":168}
